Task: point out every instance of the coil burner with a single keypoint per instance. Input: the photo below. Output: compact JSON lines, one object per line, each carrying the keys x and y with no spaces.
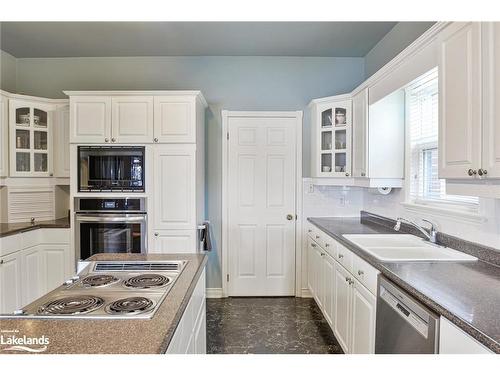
{"x":130,"y":306}
{"x":72,"y":305}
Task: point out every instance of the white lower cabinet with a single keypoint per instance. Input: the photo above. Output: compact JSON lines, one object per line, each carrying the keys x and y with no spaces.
{"x":363,"y":320}
{"x":348,"y":302}
{"x":37,"y":262}
{"x":190,"y":335}
{"x":173,"y":241}
{"x":10,"y":282}
{"x":342,"y":295}
{"x":452,"y":340}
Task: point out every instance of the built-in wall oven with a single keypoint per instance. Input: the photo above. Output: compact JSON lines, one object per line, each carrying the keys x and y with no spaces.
{"x":111,"y":168}
{"x":110,"y":225}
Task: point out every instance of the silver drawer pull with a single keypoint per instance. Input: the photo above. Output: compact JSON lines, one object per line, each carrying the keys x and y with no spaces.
{"x":360,"y":273}
{"x":317,"y":237}
{"x":313,"y":245}
{"x":341,"y":256}
{"x":327,"y":244}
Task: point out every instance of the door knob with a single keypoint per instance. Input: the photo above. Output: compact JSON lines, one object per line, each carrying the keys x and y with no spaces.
{"x":482,"y":172}
{"x":289,"y":217}
{"x":471,"y":172}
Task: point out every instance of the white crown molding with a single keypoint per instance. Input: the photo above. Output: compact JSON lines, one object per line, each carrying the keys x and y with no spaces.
{"x":21,"y":96}
{"x":421,"y":42}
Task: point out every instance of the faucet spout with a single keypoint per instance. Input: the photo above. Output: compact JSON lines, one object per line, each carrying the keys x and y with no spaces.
{"x":430,"y":234}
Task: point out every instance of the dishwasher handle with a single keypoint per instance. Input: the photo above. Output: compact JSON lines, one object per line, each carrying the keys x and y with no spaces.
{"x":405,"y":312}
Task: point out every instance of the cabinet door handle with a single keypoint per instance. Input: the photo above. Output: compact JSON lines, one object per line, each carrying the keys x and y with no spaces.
{"x":317,"y":237}
{"x":341,"y":256}
{"x":471,"y":172}
{"x":313,"y":245}
{"x":347,"y":174}
{"x":322,"y":254}
{"x":106,"y":140}
{"x":351,"y":282}
{"x":113,"y":140}
{"x":363,"y":174}
{"x":482,"y":172}
{"x":1,"y":261}
{"x":156,"y":234}
{"x":309,"y":230}
{"x":155,"y":140}
{"x":347,"y":278}
{"x":360,"y":273}
{"x":327,"y":245}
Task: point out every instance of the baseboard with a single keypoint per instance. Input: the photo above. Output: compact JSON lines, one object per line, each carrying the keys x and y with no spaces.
{"x":214,"y":292}
{"x":305,"y":293}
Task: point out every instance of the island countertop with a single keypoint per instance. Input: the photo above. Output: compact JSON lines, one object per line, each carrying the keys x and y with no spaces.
{"x":466,"y":293}
{"x":118,"y":336}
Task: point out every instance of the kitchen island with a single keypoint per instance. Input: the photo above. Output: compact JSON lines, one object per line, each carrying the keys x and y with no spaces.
{"x":120,"y":336}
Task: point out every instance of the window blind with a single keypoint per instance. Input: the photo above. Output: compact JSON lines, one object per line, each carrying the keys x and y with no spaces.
{"x":423,"y":118}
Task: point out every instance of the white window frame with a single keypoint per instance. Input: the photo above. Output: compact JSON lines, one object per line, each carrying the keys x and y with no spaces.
{"x":464,"y":212}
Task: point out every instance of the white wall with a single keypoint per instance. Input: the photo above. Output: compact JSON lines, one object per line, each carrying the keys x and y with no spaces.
{"x":486,"y":232}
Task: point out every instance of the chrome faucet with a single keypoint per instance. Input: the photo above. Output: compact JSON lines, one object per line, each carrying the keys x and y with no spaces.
{"x":430,"y":233}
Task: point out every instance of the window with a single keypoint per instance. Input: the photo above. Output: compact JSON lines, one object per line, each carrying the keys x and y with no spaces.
{"x":422,"y":117}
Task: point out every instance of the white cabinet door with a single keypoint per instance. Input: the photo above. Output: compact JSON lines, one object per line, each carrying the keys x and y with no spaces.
{"x":200,"y":332}
{"x":61,"y":142}
{"x":132,"y":119}
{"x":55,"y":265}
{"x":174,"y":241}
{"x":10,"y":283}
{"x":174,"y":187}
{"x":491,"y":99}
{"x":459,"y":99}
{"x":328,"y":274}
{"x":175,"y":119}
{"x":342,"y":315}
{"x":90,"y":119}
{"x":4,"y":144}
{"x":452,"y":340}
{"x":310,"y":265}
{"x":33,"y":279}
{"x":318,"y":279}
{"x":363,"y":320}
{"x":360,"y":134}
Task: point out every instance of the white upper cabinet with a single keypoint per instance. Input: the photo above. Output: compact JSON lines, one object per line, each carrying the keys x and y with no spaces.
{"x":174,"y":195}
{"x":132,"y":119}
{"x":90,"y":118}
{"x":491,"y":103}
{"x":360,"y":134}
{"x":460,"y":100}
{"x":331,"y":124}
{"x":61,"y":142}
{"x":136,"y":117}
{"x":30,"y":125}
{"x":4,"y":131}
{"x":175,"y":119}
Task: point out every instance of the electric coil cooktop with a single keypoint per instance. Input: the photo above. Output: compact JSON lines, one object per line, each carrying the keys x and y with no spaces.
{"x":109,"y":290}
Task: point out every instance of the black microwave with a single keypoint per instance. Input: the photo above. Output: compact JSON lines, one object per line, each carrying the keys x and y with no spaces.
{"x":111,"y":168}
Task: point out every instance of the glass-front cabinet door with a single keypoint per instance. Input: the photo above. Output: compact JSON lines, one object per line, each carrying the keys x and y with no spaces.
{"x":30,"y":139}
{"x":332,"y":126}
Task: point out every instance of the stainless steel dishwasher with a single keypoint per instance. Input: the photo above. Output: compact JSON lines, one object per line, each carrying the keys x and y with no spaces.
{"x":404,"y":326}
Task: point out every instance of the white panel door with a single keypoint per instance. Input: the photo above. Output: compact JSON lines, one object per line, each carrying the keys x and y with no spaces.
{"x":174,"y":187}
{"x":132,"y":119}
{"x":174,"y":119}
{"x":10,"y":283}
{"x":261,"y":193}
{"x":364,"y":305}
{"x":342,"y":314}
{"x":491,"y":102}
{"x":459,"y":99}
{"x":90,"y":119}
{"x":360,"y":134}
{"x":33,"y":282}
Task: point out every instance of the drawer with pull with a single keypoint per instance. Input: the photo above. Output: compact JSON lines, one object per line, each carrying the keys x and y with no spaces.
{"x":365,"y":273}
{"x":329,"y":245}
{"x":344,"y":257}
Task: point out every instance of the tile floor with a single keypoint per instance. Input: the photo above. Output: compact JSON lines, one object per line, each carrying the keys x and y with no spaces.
{"x":283,"y":325}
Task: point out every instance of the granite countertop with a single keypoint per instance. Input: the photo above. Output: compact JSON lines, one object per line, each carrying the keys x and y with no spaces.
{"x":8,"y":229}
{"x":466,"y":293}
{"x":118,"y":336}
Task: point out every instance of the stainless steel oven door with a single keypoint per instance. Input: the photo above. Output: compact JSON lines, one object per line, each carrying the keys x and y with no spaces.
{"x":109,"y":233}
